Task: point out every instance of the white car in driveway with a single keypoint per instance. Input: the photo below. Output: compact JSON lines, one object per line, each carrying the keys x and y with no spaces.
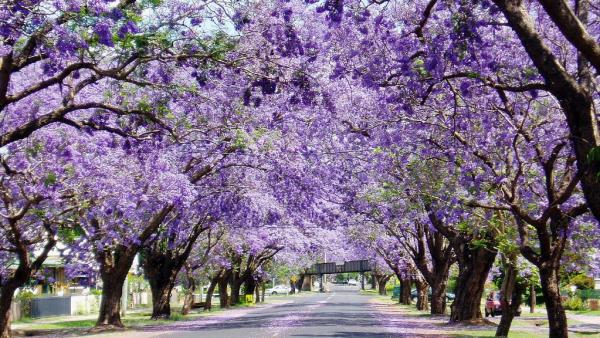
{"x":279,"y":290}
{"x":352,"y":282}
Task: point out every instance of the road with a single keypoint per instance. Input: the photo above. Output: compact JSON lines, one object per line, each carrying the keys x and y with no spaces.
{"x":343,"y":312}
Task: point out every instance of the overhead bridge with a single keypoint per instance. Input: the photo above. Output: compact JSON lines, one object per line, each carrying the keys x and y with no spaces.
{"x":327,"y":268}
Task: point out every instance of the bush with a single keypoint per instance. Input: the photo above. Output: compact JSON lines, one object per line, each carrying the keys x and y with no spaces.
{"x":588,"y":294}
{"x":389,"y":287}
{"x":582,"y":282}
{"x":575,"y":303}
{"x":96,"y":292}
{"x":25,"y":297}
{"x":451,"y":285}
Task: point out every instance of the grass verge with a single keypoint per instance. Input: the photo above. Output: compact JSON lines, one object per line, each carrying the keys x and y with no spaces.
{"x":531,"y":325}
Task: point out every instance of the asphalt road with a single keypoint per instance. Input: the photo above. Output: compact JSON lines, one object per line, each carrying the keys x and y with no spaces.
{"x":343,"y":312}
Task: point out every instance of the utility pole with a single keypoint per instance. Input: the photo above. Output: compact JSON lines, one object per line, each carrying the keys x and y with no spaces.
{"x":321,"y":288}
{"x":362,"y":280}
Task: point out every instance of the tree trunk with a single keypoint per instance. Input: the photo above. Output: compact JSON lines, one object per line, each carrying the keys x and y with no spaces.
{"x":434,"y":255}
{"x":299,"y":283}
{"x":110,"y":305}
{"x":235,"y":282}
{"x":263,"y":290}
{"x":557,"y":319}
{"x":308,"y":283}
{"x":235,"y":292}
{"x":474,"y":267}
{"x":422,"y":288}
{"x":161,"y":298}
{"x":223,"y":297}
{"x":509,"y":311}
{"x":188,"y":302}
{"x":405,"y":291}
{"x":161,"y":268}
{"x":374,"y":282}
{"x":190,"y":289}
{"x":209,"y":294}
{"x":362,"y":281}
{"x":438,"y":296}
{"x":27,"y":266}
{"x":257,"y":294}
{"x":250,"y":286}
{"x":114,"y":267}
{"x":381,"y":282}
{"x":532,"y":299}
{"x":6,"y":297}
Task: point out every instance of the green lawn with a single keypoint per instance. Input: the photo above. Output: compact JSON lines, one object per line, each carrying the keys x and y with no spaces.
{"x":523,"y":327}
{"x":516,"y":334}
{"x":132,"y":319}
{"x":586,"y":312}
{"x":492,"y":333}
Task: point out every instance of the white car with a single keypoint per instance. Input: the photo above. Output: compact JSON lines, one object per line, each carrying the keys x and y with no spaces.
{"x":279,"y":290}
{"x":352,"y":282}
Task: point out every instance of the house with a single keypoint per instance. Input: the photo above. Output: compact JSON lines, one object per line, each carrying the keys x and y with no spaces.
{"x":53,"y":279}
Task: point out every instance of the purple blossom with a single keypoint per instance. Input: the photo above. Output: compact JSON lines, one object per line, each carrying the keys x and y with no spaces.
{"x":103,"y":31}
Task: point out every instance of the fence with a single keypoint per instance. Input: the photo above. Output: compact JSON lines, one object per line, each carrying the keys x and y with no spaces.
{"x":77,"y":305}
{"x":15,"y":310}
{"x":84,"y":304}
{"x":140,"y":299}
{"x":50,"y":306}
{"x":64,"y":306}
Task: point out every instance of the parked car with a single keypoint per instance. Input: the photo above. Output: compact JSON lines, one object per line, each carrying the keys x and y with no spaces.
{"x":493,"y":306}
{"x":352,"y":282}
{"x":279,"y":290}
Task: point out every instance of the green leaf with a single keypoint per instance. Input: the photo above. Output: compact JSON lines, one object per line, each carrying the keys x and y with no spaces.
{"x":50,"y":179}
{"x":34,"y":150}
{"x":594,"y":155}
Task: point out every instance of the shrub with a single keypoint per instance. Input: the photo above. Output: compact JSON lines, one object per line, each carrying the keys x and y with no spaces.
{"x":451,"y":285}
{"x":588,"y":294}
{"x":96,"y":292}
{"x":389,"y":287}
{"x":25,"y":297}
{"x":575,"y":303}
{"x":582,"y":282}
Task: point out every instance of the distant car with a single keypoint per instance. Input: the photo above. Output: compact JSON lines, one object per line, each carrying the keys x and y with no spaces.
{"x":493,"y":306}
{"x":279,"y":290}
{"x":352,"y":282}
